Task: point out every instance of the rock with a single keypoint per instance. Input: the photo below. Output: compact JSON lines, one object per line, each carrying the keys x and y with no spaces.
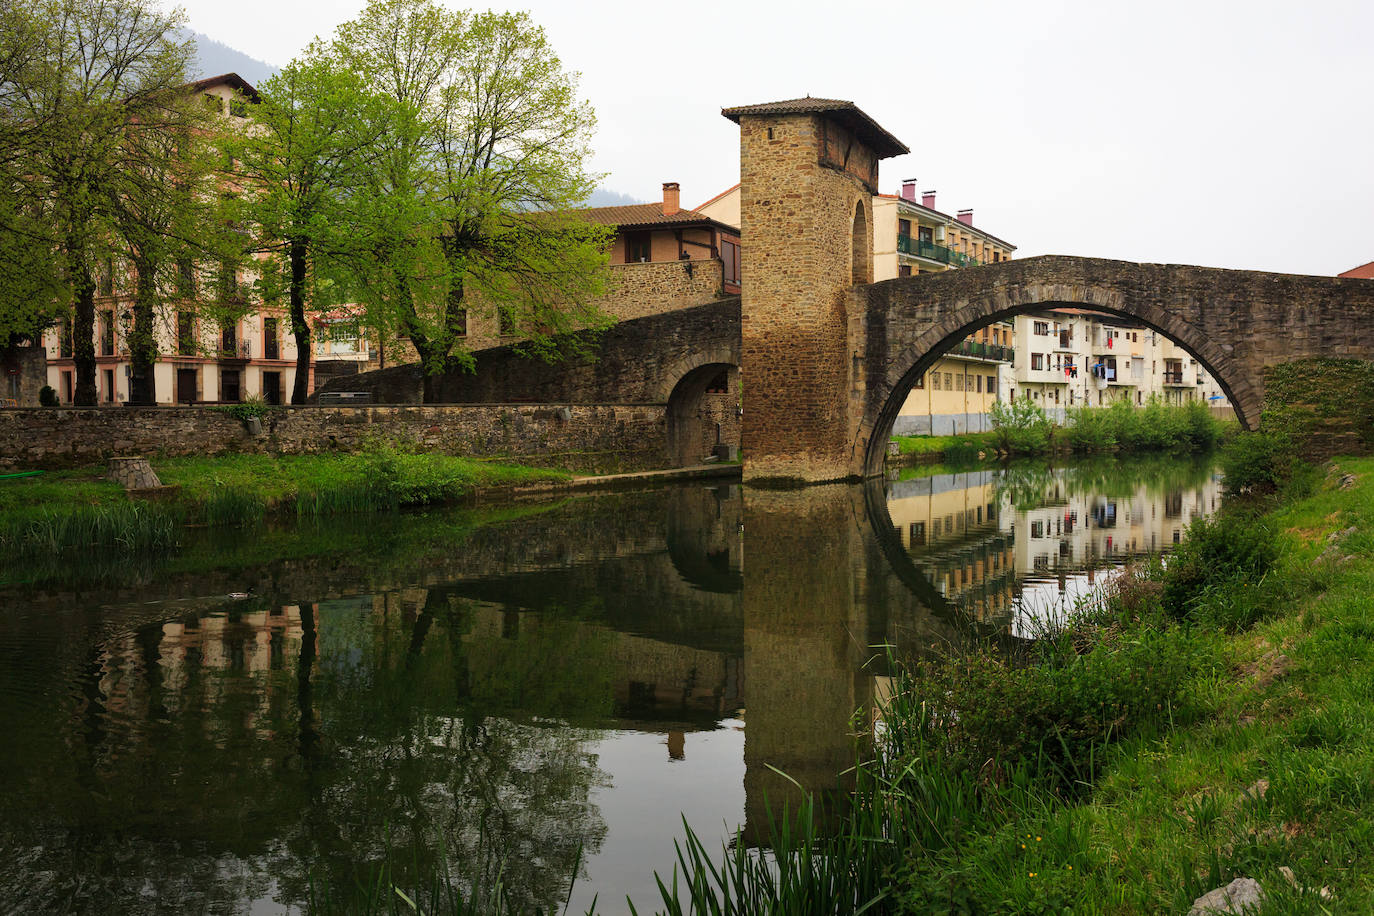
{"x":1292,"y":879}
{"x":1270,"y":667}
{"x":1257,"y":791}
{"x":1240,"y":896}
{"x":1347,"y":481}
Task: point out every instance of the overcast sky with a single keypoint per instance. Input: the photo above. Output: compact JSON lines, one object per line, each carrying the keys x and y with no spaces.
{"x":1227,"y":133}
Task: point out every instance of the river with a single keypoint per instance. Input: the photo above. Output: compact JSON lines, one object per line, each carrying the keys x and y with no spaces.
{"x":534,"y":690}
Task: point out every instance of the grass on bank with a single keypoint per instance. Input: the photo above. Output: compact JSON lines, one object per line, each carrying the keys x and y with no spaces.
{"x":78,"y":509}
{"x":1023,"y":428}
{"x":1209,"y":719}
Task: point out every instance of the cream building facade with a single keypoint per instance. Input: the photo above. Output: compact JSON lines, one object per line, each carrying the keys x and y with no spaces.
{"x":201,"y":361}
{"x":911,"y":237}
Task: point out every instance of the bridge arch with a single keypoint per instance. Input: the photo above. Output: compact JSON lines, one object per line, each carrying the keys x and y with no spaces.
{"x":904,"y":356}
{"x":701,"y":393}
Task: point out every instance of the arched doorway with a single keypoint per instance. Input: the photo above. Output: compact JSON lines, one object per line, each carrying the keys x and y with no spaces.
{"x":703,"y":413}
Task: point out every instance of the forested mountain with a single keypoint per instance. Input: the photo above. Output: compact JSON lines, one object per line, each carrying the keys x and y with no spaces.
{"x":216,"y":57}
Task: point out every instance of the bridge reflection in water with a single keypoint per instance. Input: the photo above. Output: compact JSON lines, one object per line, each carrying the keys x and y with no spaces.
{"x":501,"y":690}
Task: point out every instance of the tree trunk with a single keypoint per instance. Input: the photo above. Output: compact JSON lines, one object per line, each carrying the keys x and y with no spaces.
{"x":143,"y":337}
{"x":83,"y":336}
{"x":300,"y":329}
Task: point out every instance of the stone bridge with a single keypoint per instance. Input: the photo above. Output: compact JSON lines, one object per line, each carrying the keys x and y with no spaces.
{"x":827,"y":356}
{"x":1237,"y":323}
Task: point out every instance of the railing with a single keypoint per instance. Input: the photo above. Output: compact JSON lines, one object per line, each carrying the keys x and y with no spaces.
{"x":1173,"y":378}
{"x":995,"y":352}
{"x":932,"y":252}
{"x":271,"y":349}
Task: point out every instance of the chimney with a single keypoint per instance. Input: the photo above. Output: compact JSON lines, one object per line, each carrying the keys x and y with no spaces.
{"x":670,"y":198}
{"x":965,"y":217}
{"x":909,"y":189}
{"x":928,"y":199}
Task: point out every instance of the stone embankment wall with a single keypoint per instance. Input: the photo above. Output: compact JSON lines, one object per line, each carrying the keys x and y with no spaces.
{"x":590,"y":437}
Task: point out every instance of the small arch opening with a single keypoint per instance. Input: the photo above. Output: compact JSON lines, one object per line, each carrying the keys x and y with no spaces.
{"x":859,"y":259}
{"x":704,"y":415}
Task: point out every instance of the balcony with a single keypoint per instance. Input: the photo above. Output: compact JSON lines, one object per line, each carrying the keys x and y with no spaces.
{"x":995,"y":353}
{"x":932,"y":252}
{"x":1175,"y":378}
{"x":231,"y":351}
{"x":1065,"y":341}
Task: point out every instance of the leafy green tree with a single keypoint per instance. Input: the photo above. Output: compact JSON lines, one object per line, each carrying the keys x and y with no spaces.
{"x":90,"y":74}
{"x":166,"y":213}
{"x":483,"y":155}
{"x":303,"y":157}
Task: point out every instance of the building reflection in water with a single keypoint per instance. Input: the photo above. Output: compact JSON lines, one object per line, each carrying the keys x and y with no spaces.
{"x":1004,"y":551}
{"x":468,"y":694}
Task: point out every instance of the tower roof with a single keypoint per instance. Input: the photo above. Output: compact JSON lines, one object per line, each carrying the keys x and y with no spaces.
{"x":847,"y":113}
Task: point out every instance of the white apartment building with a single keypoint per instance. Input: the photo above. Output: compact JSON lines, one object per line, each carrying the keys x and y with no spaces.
{"x":1068,"y":358}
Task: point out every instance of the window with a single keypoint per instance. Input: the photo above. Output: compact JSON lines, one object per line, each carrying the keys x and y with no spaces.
{"x":935,"y":381}
{"x":230,"y":386}
{"x":238,"y":107}
{"x":107,"y":278}
{"x":904,"y":270}
{"x":1042,"y":328}
{"x":65,"y":342}
{"x":959,"y":382}
{"x":212,"y":102}
{"x":918,"y":534}
{"x":186,"y":334}
{"x":186,"y":278}
{"x":107,"y":333}
{"x":271,"y":346}
{"x":229,"y":278}
{"x":229,"y":339}
{"x":1037,"y":361}
{"x":109,"y":385}
{"x":980,"y":384}
{"x":904,"y":227}
{"x":920,"y":381}
{"x":730,"y":260}
{"x":949,"y":381}
{"x":637,"y":247}
{"x":67,"y":388}
{"x":992,"y":384}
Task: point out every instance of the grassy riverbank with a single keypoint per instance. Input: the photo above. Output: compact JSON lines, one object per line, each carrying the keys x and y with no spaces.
{"x":79,"y":509}
{"x":1206,"y":721}
{"x":1021,"y":428}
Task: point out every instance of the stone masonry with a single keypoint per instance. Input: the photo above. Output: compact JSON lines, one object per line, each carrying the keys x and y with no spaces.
{"x":808,"y":170}
{"x":1239,"y":324}
{"x":636,"y":361}
{"x":586,"y":436}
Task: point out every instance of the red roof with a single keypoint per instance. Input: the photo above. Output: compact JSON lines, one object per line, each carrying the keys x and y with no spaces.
{"x":646,"y":215}
{"x":1363,"y":272}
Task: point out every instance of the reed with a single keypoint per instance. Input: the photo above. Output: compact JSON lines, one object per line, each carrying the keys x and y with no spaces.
{"x":129,"y":527}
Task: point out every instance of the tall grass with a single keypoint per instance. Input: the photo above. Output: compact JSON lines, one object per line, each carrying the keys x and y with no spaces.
{"x":129,"y":527}
{"x":1156,"y":426}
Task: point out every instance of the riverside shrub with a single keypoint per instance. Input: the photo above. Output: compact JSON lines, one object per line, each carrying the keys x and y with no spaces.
{"x":1020,"y":426}
{"x":1056,"y":709}
{"x":1227,"y":555}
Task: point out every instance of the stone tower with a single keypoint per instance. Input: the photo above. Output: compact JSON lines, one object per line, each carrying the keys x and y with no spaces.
{"x":808,"y":173}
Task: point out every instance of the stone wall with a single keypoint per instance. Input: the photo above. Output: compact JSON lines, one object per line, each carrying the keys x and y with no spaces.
{"x":1326,"y":405}
{"x":808,"y":236}
{"x":584,"y":436}
{"x":639,"y":361}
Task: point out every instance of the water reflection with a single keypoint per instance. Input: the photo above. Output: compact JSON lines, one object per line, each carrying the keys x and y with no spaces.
{"x":1011,"y":547}
{"x":526,"y":692}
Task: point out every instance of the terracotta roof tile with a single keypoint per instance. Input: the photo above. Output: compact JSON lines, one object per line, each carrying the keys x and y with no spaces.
{"x":847,"y":113}
{"x":639,"y":215}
